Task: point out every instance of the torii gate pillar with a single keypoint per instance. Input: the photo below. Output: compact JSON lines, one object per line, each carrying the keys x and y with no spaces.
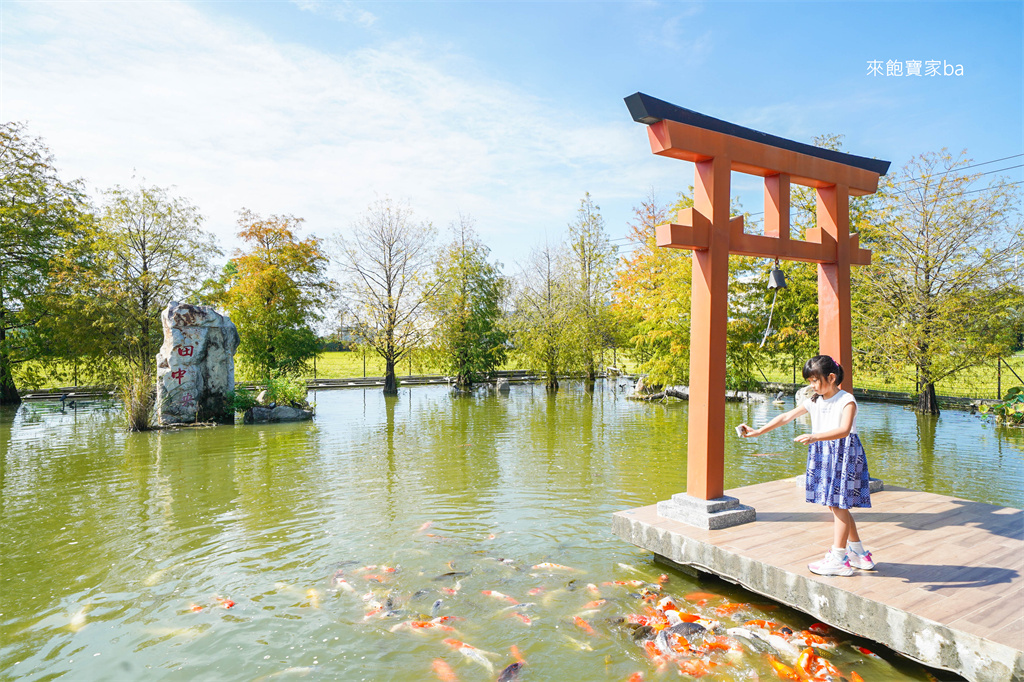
{"x":718,"y":148}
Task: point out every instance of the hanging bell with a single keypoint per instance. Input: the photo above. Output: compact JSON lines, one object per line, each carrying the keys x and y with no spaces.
{"x":776,"y":278}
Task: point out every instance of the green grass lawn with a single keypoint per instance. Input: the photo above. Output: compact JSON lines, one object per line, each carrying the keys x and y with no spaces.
{"x":978,"y":382}
{"x":975,"y":382}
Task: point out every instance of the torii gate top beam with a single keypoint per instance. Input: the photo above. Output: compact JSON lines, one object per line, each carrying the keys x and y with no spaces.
{"x":680,"y":133}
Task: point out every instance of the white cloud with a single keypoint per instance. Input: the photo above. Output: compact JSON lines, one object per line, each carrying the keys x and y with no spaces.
{"x":342,"y":11}
{"x":232,"y":119}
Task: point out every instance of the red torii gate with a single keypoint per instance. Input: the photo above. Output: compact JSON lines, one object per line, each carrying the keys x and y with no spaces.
{"x":717,"y":148}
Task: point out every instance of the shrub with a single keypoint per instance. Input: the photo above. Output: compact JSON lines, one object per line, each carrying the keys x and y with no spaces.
{"x":241,"y":400}
{"x":284,"y":390}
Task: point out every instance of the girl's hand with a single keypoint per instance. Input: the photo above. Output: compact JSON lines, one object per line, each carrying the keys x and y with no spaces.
{"x":745,"y":431}
{"x":805,"y":438}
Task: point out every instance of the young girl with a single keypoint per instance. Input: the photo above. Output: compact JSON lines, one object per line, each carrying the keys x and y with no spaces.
{"x":837,"y":470}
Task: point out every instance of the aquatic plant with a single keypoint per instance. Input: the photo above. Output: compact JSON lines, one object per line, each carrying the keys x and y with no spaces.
{"x":138,"y":394}
{"x":1010,"y":411}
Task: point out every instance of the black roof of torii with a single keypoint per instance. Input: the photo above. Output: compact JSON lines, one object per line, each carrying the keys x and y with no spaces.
{"x":646,"y":109}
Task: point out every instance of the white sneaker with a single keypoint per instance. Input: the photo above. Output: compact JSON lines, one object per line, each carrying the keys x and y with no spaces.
{"x":862,"y":561}
{"x":830,"y":565}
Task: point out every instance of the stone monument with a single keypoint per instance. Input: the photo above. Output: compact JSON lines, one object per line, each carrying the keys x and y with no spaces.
{"x":195,"y":365}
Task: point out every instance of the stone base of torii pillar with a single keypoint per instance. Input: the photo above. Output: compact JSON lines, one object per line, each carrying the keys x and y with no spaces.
{"x":720,"y":512}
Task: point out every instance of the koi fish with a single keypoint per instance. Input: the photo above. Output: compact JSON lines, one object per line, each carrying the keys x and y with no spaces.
{"x":700,"y":596}
{"x":510,"y":672}
{"x":666,"y":604}
{"x":663,"y":578}
{"x":593,"y":589}
{"x":444,"y":671}
{"x":781,"y":669}
{"x":516,"y":655}
{"x":867,"y":652}
{"x":523,"y":617}
{"x":421,"y":625}
{"x":854,"y":677}
{"x":340,"y":582}
{"x":195,"y":608}
{"x":596,"y":604}
{"x":535,"y":591}
{"x":820,"y":629}
{"x":548,"y":566}
{"x":426,"y":525}
{"x":636,"y":677}
{"x":452,"y":591}
{"x":627,"y":567}
{"x":225,"y":602}
{"x":727,"y":608}
{"x":77,"y":620}
{"x":499,"y":595}
{"x":583,"y":625}
{"x":471,"y":652}
{"x":763,"y":624}
{"x":314,"y":597}
{"x":491,"y":536}
{"x":628,"y":583}
{"x":696,"y":667}
{"x":452,"y":575}
{"x":582,"y":646}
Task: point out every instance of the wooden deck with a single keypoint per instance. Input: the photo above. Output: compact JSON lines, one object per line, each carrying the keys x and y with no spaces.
{"x":948,"y":589}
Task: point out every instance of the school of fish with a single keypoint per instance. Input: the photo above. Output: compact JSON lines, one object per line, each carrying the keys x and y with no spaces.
{"x":693,"y":634}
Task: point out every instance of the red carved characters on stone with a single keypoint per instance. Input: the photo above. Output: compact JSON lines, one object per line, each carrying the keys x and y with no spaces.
{"x":185,"y":351}
{"x":178,"y":374}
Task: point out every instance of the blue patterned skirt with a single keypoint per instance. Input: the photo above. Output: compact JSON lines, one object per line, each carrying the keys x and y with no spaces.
{"x":837,"y":473}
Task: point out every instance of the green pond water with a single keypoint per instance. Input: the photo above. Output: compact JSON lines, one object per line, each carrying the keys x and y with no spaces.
{"x":118,"y":549}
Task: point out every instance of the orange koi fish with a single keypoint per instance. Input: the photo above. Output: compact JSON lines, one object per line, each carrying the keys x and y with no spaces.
{"x":499,"y":595}
{"x":444,"y":671}
{"x":765,"y":624}
{"x":470,"y":652}
{"x":195,"y":608}
{"x":535,"y":591}
{"x":424,"y":624}
{"x":854,"y":677}
{"x":426,"y":525}
{"x":700,"y":596}
{"x":866,"y":652}
{"x":723,"y":643}
{"x":820,"y":629}
{"x":628,"y":583}
{"x":781,"y":669}
{"x":523,"y":617}
{"x":636,"y":677}
{"x":663,"y":578}
{"x":593,"y":589}
{"x":516,"y":655}
{"x":548,"y":566}
{"x":583,"y":625}
{"x":727,"y":608}
{"x":666,"y":604}
{"x":596,"y":604}
{"x":696,"y":667}
{"x":225,"y":602}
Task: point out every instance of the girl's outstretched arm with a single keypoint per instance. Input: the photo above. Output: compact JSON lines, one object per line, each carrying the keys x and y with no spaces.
{"x":845,"y":426}
{"x":781,"y":419}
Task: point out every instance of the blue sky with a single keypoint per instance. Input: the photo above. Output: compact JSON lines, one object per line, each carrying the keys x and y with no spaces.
{"x":508,"y":112}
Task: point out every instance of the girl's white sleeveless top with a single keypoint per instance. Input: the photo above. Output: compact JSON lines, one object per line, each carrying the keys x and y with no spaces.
{"x":827,"y":414}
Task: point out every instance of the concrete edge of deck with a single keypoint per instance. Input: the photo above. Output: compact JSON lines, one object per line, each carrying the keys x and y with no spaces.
{"x":930,"y":643}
